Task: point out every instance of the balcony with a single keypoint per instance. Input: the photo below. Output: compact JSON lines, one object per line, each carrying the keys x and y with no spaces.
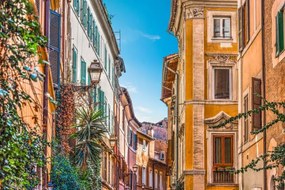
{"x":223,"y":175}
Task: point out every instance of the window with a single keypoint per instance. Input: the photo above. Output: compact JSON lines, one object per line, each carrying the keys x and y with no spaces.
{"x":222,"y":158}
{"x":244,"y":25}
{"x":161,"y":156}
{"x":279,"y":32}
{"x":135,"y":142}
{"x":143,"y":176}
{"x":150,"y":178}
{"x":105,"y":57}
{"x":74,"y":64}
{"x":256,"y":103}
{"x":245,"y":103}
{"x":83,"y":72}
{"x":156,"y":179}
{"x":144,"y":145}
{"x":222,"y":83}
{"x":222,"y":27}
{"x":223,"y":154}
{"x":160,"y":181}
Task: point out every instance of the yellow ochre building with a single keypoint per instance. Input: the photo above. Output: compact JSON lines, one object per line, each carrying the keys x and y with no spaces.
{"x":200,"y":88}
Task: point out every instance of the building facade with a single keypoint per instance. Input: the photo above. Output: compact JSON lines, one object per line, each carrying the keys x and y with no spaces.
{"x":273,"y":39}
{"x":250,"y":89}
{"x":91,"y":38}
{"x":203,"y":94}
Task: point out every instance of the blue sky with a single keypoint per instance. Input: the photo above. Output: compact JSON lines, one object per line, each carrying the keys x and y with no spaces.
{"x":144,"y":42}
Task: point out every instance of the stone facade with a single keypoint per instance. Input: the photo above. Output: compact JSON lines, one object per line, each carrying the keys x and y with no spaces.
{"x":193,"y":102}
{"x":275,"y":82}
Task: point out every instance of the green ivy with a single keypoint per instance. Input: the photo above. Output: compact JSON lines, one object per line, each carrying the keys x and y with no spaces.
{"x":21,"y":148}
{"x":64,"y":175}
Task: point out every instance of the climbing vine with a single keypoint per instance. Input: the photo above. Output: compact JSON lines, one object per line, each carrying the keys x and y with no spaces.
{"x":275,"y":158}
{"x":21,"y":145}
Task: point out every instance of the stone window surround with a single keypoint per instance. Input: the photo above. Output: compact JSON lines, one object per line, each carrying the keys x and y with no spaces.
{"x":210,"y":26}
{"x":277,"y":6}
{"x":229,"y":129}
{"x":211,"y":67}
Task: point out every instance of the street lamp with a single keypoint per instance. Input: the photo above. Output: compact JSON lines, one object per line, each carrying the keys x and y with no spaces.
{"x":135,"y":168}
{"x":113,"y":141}
{"x":95,"y":71}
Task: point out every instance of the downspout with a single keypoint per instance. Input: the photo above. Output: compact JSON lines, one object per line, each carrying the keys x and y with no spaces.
{"x":264,"y":87}
{"x":45,"y":98}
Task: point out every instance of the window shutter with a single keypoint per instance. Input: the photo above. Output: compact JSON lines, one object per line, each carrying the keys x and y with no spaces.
{"x":74,"y":65}
{"x":109,"y":117}
{"x":241,"y":24}
{"x":256,"y":103}
{"x":83,"y":72}
{"x":280,"y":32}
{"x":135,"y":141}
{"x":54,"y":45}
{"x":84,"y":14}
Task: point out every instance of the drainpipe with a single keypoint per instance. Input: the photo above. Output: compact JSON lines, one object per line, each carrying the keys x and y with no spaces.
{"x":264,"y":87}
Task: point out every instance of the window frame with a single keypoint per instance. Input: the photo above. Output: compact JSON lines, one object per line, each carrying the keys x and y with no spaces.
{"x":221,"y":18}
{"x":223,"y":137}
{"x":246,"y":120}
{"x":278,"y":48}
{"x":230,"y":82}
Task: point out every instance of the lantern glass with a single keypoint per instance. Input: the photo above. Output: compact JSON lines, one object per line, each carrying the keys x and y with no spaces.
{"x":95,"y":71}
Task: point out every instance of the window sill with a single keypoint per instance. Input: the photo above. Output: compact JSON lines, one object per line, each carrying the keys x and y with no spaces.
{"x":222,"y":38}
{"x":223,"y":184}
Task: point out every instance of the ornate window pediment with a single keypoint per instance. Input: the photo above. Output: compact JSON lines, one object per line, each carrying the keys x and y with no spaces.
{"x":220,"y":118}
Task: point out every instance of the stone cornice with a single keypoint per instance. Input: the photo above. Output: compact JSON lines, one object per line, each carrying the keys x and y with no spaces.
{"x":106,"y":26}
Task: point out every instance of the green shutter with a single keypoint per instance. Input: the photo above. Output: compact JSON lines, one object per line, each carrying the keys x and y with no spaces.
{"x":94,"y":95}
{"x":105,"y":57}
{"x":74,"y":65}
{"x":280,"y":31}
{"x":109,"y":118}
{"x":109,"y":68}
{"x":88,"y":21}
{"x":84,"y":14}
{"x":81,"y":10}
{"x":94,"y":28}
{"x":83,"y":72}
{"x":76,"y":6}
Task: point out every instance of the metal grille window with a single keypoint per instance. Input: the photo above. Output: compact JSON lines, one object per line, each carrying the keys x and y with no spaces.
{"x":222,"y":83}
{"x":222,"y":27}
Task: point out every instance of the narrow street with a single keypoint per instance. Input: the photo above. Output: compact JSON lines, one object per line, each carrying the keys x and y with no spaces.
{"x":141,"y":95}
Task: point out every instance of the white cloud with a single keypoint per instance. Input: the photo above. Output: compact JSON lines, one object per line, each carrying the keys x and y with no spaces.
{"x":150,"y":36}
{"x":130,"y":87}
{"x":144,"y":110}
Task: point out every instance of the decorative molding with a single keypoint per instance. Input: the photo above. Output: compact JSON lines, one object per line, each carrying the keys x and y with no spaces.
{"x":194,"y":13}
{"x":220,"y":118}
{"x":194,"y":172}
{"x":222,"y":58}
